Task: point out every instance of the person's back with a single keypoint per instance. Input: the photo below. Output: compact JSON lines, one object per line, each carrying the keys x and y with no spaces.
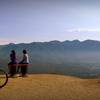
{"x":11,"y":66}
{"x":24,"y":62}
{"x":13,"y":57}
{"x":25,"y":58}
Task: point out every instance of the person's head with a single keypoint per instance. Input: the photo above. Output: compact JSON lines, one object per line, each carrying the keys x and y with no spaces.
{"x":24,"y":51}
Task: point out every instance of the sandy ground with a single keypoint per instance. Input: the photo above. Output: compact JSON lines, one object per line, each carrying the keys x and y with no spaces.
{"x":50,"y":87}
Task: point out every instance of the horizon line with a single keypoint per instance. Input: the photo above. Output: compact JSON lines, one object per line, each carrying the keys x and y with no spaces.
{"x":11,"y":43}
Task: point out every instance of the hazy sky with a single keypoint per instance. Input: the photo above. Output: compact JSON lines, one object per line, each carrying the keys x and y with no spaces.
{"x":45,"y":20}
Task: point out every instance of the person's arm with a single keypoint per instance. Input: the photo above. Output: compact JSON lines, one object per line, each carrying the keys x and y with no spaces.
{"x":24,"y":58}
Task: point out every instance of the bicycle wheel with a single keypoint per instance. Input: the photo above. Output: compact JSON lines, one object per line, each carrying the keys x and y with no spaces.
{"x":3,"y":78}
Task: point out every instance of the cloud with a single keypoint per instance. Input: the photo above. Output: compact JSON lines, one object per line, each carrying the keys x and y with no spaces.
{"x":5,"y":41}
{"x":83,"y":30}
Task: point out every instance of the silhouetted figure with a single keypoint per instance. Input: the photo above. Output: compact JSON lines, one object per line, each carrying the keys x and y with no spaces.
{"x":12,"y":64}
{"x":24,"y":63}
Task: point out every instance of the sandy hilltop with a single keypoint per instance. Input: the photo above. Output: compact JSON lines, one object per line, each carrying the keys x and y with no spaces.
{"x":51,"y":87}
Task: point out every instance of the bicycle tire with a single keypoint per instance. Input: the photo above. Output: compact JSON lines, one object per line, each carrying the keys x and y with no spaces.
{"x":3,"y":78}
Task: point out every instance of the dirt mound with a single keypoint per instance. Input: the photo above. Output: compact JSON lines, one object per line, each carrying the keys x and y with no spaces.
{"x":50,"y":87}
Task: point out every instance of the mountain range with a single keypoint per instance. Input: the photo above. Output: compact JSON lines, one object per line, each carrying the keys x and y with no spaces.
{"x":80,"y":58}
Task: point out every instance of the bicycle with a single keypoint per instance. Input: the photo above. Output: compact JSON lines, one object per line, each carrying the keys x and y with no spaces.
{"x":3,"y":78}
{"x":4,"y":75}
